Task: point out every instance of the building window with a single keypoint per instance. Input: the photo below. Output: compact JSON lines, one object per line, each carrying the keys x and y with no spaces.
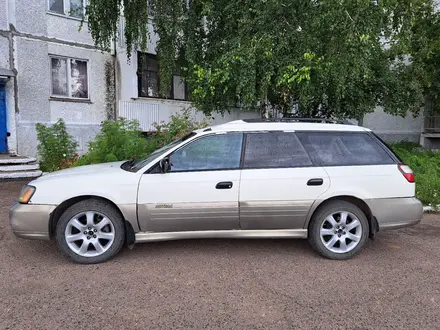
{"x":69,"y":78}
{"x":148,"y":75}
{"x":73,"y":8}
{"x":77,"y":8}
{"x":149,"y":79}
{"x":57,"y":6}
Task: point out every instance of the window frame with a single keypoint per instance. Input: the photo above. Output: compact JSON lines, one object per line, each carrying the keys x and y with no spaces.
{"x":312,"y":164}
{"x":185,"y":89}
{"x":386,"y":147}
{"x":55,"y":12}
{"x":66,"y":9}
{"x":69,"y":78}
{"x":393,"y":157}
{"x":154,"y":168}
{"x":139,"y":73}
{"x":139,"y":80}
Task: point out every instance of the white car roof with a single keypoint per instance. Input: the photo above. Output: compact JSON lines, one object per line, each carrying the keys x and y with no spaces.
{"x":264,"y":125}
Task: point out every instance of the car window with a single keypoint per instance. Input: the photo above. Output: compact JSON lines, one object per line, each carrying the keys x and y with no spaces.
{"x":136,"y":164}
{"x":343,"y":148}
{"x":214,"y":152}
{"x":274,"y":149}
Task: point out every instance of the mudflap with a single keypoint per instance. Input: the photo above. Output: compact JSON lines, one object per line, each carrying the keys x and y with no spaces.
{"x":374,"y":228}
{"x":130,"y":237}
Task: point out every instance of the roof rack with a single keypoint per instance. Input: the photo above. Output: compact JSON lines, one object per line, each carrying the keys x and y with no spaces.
{"x":293,"y":119}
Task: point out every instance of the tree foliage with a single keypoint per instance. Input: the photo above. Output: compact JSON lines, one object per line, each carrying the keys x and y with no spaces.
{"x":325,"y":58}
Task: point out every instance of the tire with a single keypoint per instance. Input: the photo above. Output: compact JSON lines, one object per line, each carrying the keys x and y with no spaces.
{"x":90,"y":232}
{"x":327,"y":236}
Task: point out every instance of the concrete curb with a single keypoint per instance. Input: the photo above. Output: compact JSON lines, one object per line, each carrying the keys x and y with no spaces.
{"x":428,"y":209}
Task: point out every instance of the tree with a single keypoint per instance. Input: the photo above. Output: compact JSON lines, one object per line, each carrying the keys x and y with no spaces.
{"x":327,"y":58}
{"x":425,"y":67}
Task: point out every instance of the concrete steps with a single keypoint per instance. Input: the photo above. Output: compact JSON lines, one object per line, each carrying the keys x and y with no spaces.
{"x":17,"y":167}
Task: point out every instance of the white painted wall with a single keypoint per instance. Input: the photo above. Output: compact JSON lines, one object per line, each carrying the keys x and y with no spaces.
{"x":3,"y":15}
{"x":82,"y":119}
{"x":30,"y":16}
{"x":41,"y":33}
{"x":67,"y":28}
{"x":394,"y":128}
{"x":4,"y":53}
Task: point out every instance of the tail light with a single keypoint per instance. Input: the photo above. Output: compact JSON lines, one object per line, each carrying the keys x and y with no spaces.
{"x":407,"y":173}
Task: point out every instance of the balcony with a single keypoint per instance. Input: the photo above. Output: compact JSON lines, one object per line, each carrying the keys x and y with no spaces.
{"x":430,"y":137}
{"x":149,"y":111}
{"x":431,"y":126}
{"x":146,"y":113}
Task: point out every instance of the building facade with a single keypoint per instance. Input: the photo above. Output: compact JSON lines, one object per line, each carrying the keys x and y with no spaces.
{"x":49,"y":69}
{"x":138,"y":85}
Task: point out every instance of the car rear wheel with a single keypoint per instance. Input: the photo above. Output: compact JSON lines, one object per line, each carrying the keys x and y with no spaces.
{"x":90,"y":231}
{"x":338,"y":230}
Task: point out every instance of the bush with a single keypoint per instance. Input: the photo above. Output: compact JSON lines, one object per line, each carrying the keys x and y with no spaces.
{"x":178,"y":126}
{"x":117,"y":140}
{"x":426,"y":166}
{"x":56,"y":148}
{"x":122,"y":139}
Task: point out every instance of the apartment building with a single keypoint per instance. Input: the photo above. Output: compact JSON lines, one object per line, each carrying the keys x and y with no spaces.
{"x":50,"y":69}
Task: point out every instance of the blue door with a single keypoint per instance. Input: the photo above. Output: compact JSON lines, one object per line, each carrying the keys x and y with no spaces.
{"x":3,"y":130}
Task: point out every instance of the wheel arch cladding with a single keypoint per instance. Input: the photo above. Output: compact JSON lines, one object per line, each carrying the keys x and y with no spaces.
{"x":60,"y":209}
{"x":372,"y":221}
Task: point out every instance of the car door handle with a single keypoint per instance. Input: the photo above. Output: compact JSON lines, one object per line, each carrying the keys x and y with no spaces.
{"x":224,"y":185}
{"x":315,"y":182}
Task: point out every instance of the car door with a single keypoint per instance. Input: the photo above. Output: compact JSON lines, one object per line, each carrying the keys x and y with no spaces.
{"x":200,"y":192}
{"x":278,"y":182}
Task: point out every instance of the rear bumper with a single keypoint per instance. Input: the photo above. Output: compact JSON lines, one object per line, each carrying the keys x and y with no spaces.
{"x":394,"y":213}
{"x":30,"y":221}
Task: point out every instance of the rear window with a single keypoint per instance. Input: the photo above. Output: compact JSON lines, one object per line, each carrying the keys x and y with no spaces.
{"x":343,"y":148}
{"x":274,"y":150}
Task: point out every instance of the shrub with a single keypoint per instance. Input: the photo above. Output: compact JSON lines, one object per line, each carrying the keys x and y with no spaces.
{"x":426,"y":166}
{"x":56,"y":148}
{"x":123,"y":140}
{"x":179,"y":125}
{"x":117,"y":140}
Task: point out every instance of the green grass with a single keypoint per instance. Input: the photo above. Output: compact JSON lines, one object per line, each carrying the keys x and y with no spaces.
{"x":426,"y":166}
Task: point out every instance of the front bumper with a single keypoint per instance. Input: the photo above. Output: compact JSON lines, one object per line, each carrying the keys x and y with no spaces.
{"x":394,"y":213}
{"x":31,"y":221}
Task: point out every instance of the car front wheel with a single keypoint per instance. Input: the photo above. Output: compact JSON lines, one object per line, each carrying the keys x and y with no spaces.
{"x":338,"y":230}
{"x":90,"y":231}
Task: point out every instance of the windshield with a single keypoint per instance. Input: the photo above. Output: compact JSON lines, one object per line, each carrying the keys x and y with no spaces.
{"x":136,"y":164}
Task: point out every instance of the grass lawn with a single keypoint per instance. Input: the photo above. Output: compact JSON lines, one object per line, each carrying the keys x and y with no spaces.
{"x":426,"y":166}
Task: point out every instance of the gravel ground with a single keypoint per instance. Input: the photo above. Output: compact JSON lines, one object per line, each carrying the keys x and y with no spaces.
{"x":222,"y":284}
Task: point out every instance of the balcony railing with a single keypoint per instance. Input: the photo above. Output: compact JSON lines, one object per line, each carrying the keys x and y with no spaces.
{"x":145,"y":113}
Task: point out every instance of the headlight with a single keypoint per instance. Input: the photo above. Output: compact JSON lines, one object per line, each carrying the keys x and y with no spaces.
{"x":26,"y":194}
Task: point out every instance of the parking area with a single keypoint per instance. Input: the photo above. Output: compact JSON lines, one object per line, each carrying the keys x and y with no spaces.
{"x":222,"y":284}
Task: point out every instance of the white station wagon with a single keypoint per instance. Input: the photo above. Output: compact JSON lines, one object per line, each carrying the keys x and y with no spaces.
{"x":336,"y":185}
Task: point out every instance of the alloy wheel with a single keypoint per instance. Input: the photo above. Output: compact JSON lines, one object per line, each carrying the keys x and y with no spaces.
{"x":341,"y":232}
{"x":89,"y":234}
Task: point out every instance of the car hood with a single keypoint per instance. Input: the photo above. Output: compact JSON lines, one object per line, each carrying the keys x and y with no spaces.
{"x":96,"y":169}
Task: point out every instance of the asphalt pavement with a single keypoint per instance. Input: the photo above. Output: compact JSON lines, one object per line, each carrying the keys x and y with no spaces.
{"x":222,"y":284}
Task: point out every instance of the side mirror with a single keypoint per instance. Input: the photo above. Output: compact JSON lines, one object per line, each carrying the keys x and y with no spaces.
{"x":164,"y":165}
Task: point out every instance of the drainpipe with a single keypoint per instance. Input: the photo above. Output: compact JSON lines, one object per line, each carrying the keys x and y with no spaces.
{"x":115,"y":60}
